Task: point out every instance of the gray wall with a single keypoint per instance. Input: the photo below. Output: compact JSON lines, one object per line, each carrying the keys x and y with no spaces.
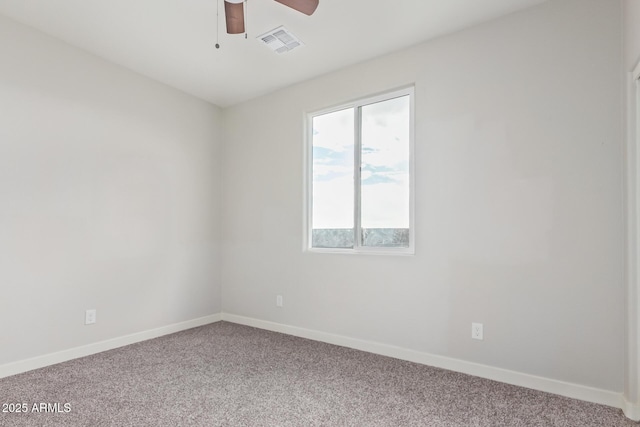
{"x":109,"y":199}
{"x":519,"y":220}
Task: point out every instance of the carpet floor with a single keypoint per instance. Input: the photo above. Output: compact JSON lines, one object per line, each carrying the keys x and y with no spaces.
{"x":226,"y":374}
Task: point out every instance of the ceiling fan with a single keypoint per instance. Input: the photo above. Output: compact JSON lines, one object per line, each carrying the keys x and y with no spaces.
{"x":234,"y":12}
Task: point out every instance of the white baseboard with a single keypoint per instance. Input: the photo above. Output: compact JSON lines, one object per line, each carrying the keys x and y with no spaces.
{"x":575,"y":391}
{"x":631,"y":410}
{"x":571,"y":390}
{"x":89,"y":349}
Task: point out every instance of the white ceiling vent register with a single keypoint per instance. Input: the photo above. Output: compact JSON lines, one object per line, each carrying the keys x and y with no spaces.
{"x":280,"y":40}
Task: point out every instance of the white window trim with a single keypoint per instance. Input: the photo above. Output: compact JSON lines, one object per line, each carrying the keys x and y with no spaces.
{"x":308,"y":176}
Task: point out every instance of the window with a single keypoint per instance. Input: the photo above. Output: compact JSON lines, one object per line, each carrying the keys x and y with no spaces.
{"x":359,"y":174}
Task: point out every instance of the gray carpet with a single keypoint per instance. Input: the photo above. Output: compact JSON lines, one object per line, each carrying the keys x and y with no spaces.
{"x":231,"y":375}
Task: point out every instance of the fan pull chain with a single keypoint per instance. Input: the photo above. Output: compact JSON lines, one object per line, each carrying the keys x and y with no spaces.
{"x":246,"y":14}
{"x":217,"y":24}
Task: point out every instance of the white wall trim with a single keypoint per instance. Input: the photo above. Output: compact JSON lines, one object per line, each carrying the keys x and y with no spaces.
{"x":89,"y":349}
{"x":631,"y":410}
{"x":571,"y":390}
{"x":575,"y":391}
{"x":631,"y":398}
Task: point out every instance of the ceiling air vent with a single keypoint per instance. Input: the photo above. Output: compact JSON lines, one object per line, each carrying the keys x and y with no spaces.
{"x":280,"y":40}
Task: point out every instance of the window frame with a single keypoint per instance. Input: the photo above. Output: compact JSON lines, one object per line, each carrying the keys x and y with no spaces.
{"x":357,"y":105}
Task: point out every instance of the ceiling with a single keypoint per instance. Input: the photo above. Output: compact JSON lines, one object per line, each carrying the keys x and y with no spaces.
{"x":173,"y":41}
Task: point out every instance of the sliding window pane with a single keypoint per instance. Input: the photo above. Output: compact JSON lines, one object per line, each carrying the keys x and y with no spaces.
{"x":333,"y":185}
{"x":385,"y":186}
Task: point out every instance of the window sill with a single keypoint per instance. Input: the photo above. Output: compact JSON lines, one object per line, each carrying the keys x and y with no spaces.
{"x":362,"y":251}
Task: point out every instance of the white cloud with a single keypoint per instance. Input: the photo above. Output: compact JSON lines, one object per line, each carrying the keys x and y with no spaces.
{"x":334,"y":130}
{"x":333,"y":203}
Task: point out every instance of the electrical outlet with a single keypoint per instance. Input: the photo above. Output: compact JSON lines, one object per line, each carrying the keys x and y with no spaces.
{"x":90,"y":316}
{"x":279,"y":302}
{"x":476,"y":331}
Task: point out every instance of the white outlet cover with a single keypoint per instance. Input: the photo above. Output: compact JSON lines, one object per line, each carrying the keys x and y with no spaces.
{"x":476,"y":331}
{"x":279,"y":301}
{"x":90,"y":317}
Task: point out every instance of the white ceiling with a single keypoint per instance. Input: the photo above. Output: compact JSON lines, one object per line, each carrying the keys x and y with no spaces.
{"x":173,"y":41}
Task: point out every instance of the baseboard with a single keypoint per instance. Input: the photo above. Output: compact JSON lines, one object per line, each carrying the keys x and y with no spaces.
{"x":575,"y":391}
{"x":631,"y":410}
{"x":89,"y":349}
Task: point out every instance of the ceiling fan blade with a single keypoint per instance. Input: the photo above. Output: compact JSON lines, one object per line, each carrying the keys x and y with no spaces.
{"x":234,"y":14}
{"x":305,"y":6}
